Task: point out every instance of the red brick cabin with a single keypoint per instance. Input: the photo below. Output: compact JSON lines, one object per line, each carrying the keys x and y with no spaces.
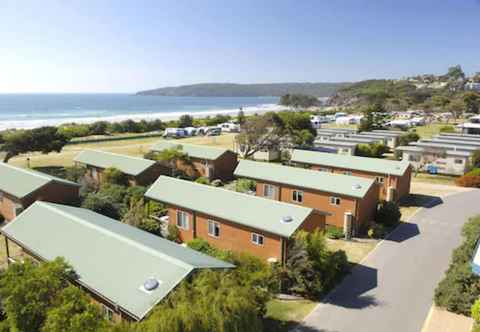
{"x":20,"y":188}
{"x":210,"y":162}
{"x":140,"y":171}
{"x":233,"y":221}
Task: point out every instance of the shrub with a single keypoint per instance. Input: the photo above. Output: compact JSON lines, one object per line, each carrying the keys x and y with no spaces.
{"x":74,"y":173}
{"x":388,"y":214}
{"x":447,"y":129}
{"x":203,"y":180}
{"x":405,"y":139}
{"x":115,"y":176}
{"x":472,"y":181}
{"x":375,"y":150}
{"x":377,"y":231}
{"x":475,"y":311}
{"x":460,"y":288}
{"x":333,"y":232}
{"x":102,"y":204}
{"x":245,"y":185}
{"x":173,"y":233}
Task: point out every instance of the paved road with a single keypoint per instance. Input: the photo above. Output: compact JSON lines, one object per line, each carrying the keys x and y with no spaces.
{"x":392,"y":290}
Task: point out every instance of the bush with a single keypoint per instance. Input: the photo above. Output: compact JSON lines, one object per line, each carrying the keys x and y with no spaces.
{"x":115,"y":176}
{"x":102,"y":204}
{"x":405,"y":139}
{"x":245,"y":185}
{"x":173,"y":233}
{"x":471,"y":181}
{"x":333,"y":232}
{"x":376,"y":150}
{"x":447,"y":129}
{"x":74,"y":173}
{"x":475,"y":311}
{"x":460,"y":288}
{"x":203,"y":180}
{"x":377,"y":231}
{"x":388,"y":214}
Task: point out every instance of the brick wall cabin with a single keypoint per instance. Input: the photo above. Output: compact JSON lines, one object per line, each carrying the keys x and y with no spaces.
{"x":363,"y":210}
{"x":236,"y":237}
{"x":221,"y":168}
{"x":53,"y":192}
{"x":400,"y":183}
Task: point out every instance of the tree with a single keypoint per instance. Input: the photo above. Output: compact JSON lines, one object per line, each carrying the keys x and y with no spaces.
{"x":295,"y":128}
{"x":185,"y":121}
{"x":298,"y":100}
{"x":455,"y":73}
{"x":113,"y":175}
{"x":102,"y":204}
{"x":28,"y":290}
{"x":44,"y":140}
{"x":172,"y":157}
{"x":456,"y":107}
{"x":472,"y":101}
{"x":406,"y":138}
{"x":138,"y":216}
{"x":73,"y":311}
{"x":241,"y":117}
{"x":388,"y":214}
{"x":375,"y":150}
{"x":374,"y":117}
{"x":99,"y":128}
{"x":258,"y":133}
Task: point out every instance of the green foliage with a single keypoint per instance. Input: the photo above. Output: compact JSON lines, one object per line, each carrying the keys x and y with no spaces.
{"x":173,"y":233}
{"x":333,"y":232}
{"x":241,"y":118}
{"x":29,"y":290}
{"x":375,"y":117}
{"x":296,"y":126}
{"x":447,"y":129}
{"x":74,"y":130}
{"x":475,"y":311}
{"x":138,"y":216}
{"x":472,"y":101}
{"x":217,"y":119}
{"x":185,"y":121}
{"x":455,"y":73}
{"x":375,"y":150}
{"x":203,"y":180}
{"x":377,"y":231}
{"x":298,"y":100}
{"x":44,"y":140}
{"x":388,"y":214}
{"x":73,"y":311}
{"x":406,"y":138}
{"x":102,"y":204}
{"x":113,"y":175}
{"x":460,"y":288}
{"x":74,"y":173}
{"x":311,"y":269}
{"x":475,"y":158}
{"x":245,"y":185}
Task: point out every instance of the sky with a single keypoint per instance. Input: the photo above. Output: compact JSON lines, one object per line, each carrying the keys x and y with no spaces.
{"x":127,"y":46}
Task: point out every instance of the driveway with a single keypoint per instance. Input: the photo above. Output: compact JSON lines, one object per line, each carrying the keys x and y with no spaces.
{"x":392,"y":289}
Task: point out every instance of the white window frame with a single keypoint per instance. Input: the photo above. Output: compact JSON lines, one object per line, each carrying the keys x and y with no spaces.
{"x":213,"y":228}
{"x":334,"y":200}
{"x":258,"y":239}
{"x":108,"y":313}
{"x":296,"y":194}
{"x":273,"y":189}
{"x":187,"y":221}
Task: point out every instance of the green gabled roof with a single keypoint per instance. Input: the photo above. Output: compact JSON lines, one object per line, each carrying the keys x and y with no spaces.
{"x":195,"y":151}
{"x":126,"y":164}
{"x":348,"y":185}
{"x":20,"y":182}
{"x":110,"y":257}
{"x":373,"y":165}
{"x":255,"y":212}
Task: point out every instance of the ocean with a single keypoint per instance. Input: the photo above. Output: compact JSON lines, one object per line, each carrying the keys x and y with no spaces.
{"x":36,"y":110}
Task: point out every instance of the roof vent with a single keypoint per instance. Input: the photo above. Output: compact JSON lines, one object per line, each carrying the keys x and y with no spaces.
{"x":287,"y":219}
{"x":151,"y":284}
{"x":357,"y":186}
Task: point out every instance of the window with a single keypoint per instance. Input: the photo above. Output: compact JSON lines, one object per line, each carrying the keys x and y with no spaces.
{"x":347,"y":173}
{"x":213,"y":228}
{"x":269,"y":191}
{"x":297,"y":196}
{"x":94,"y":173}
{"x":334,"y":200}
{"x":458,"y":161}
{"x":182,"y":220}
{"x":107,"y":313}
{"x":380,"y":179}
{"x":257,"y":239}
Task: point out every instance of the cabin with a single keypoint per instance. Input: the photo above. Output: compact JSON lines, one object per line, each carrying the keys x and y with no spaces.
{"x":139,"y":171}
{"x":20,"y":188}
{"x":392,"y":177}
{"x":349,"y":200}
{"x":347,"y":148}
{"x":391,"y":137}
{"x":210,"y":162}
{"x":233,"y":221}
{"x":125,"y":270}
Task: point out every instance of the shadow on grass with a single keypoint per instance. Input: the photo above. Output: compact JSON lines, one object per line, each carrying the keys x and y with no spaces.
{"x":420,"y":200}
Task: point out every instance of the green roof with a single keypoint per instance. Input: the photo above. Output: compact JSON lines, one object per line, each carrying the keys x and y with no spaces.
{"x":348,"y":185}
{"x":110,"y":257}
{"x":20,"y":182}
{"x":373,"y":165}
{"x":194,"y":151}
{"x":255,"y":212}
{"x":126,"y":164}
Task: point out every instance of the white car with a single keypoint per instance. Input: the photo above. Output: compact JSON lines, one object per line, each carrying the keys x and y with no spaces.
{"x":174,"y":133}
{"x":229,"y":127}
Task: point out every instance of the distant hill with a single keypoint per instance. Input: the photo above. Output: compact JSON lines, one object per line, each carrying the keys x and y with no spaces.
{"x":246,"y":90}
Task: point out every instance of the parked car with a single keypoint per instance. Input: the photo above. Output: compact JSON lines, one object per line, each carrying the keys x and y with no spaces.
{"x":202,"y":130}
{"x":191,"y":131}
{"x":229,"y":127}
{"x":174,"y":133}
{"x":215,"y":131}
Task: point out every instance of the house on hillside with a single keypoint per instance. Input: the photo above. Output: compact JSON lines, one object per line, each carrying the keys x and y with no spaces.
{"x":125,"y":270}
{"x":19,"y":188}
{"x":348,"y":199}
{"x":391,"y":177}
{"x":138,"y":170}
{"x":210,"y":162}
{"x":233,"y":221}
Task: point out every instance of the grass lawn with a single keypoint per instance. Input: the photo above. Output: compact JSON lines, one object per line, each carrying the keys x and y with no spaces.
{"x":283,"y":315}
{"x":132,"y":147}
{"x":356,"y":250}
{"x":431,"y":129}
{"x":434,"y":178}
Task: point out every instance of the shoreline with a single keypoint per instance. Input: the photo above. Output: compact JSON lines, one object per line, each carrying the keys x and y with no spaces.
{"x":167,"y":116}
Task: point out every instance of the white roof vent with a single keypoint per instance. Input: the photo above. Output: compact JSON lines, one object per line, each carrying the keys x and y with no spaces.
{"x":150,"y":285}
{"x":357,"y":186}
{"x":287,"y":219}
